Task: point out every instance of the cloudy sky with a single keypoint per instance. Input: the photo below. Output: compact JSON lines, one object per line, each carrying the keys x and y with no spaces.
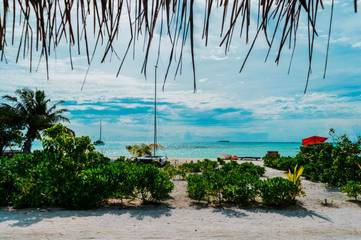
{"x":263,"y":103}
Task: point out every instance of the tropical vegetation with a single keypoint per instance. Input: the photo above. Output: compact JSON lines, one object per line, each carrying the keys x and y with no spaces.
{"x":239,"y":184}
{"x":139,"y":150}
{"x":69,"y":173}
{"x":30,"y":111}
{"x":279,"y":192}
{"x":352,"y":189}
{"x":334,"y":164}
{"x":35,"y":113}
{"x":10,"y":129}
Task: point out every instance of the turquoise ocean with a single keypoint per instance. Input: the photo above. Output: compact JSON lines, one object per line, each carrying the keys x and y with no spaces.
{"x":209,"y":149}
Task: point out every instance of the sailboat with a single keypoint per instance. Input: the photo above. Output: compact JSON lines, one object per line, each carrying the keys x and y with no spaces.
{"x":161,"y":160}
{"x":99,"y":142}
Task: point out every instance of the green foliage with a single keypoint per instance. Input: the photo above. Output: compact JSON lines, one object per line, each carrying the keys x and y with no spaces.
{"x":139,"y":150}
{"x":35,"y":113}
{"x":318,"y":161}
{"x":61,"y":140}
{"x":246,"y":167}
{"x":295,"y":176}
{"x":231,"y":183}
{"x":221,"y":161}
{"x":10,"y":169}
{"x":278,"y":192}
{"x":152,"y":184}
{"x":69,"y":173}
{"x":241,"y":188}
{"x":197,"y":167}
{"x":334,"y":164}
{"x":352,"y":189}
{"x":196,"y":187}
{"x":10,"y":129}
{"x":171,"y":170}
{"x":282,"y":163}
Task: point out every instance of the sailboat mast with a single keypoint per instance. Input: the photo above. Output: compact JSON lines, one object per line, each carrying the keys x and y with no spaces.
{"x":155,"y":113}
{"x":100,"y":130}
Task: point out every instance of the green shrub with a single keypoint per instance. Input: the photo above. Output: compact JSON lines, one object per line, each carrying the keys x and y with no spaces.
{"x":197,"y":167}
{"x":216,"y":181}
{"x":334,"y":164}
{"x":11,"y":172}
{"x":221,"y":161}
{"x":52,"y":181}
{"x":152,"y":183}
{"x":282,"y":163}
{"x":196,"y":187}
{"x":352,"y":189}
{"x":241,"y":189}
{"x":252,"y":169}
{"x":171,"y":170}
{"x":89,"y":189}
{"x":69,"y":173}
{"x":121,"y":179}
{"x":278,"y":192}
{"x":271,"y":161}
{"x":232,"y":183}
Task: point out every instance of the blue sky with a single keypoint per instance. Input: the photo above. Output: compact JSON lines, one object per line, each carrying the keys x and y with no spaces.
{"x":263,"y":103}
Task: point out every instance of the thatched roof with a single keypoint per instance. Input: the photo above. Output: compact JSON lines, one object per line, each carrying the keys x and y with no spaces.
{"x":45,"y":23}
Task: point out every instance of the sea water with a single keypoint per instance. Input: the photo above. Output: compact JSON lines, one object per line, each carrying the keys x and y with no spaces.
{"x":208,"y":149}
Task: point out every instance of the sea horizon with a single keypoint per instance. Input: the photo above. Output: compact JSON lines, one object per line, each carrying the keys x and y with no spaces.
{"x":207,"y":149}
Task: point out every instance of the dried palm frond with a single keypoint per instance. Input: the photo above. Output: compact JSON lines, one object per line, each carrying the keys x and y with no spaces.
{"x":44,"y":24}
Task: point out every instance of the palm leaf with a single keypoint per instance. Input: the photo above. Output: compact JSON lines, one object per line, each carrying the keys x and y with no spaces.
{"x":45,"y":24}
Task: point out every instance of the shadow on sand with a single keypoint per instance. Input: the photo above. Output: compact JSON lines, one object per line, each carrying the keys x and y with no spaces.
{"x":297,"y":211}
{"x":356,"y":202}
{"x":230,"y":211}
{"x":28,"y":217}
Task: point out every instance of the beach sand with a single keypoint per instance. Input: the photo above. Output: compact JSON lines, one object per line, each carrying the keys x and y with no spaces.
{"x":180,"y":218}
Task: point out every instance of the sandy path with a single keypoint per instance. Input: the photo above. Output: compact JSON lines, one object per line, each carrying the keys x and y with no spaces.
{"x":183,"y":220}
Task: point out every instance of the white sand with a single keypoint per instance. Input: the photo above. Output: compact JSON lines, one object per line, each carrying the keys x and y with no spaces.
{"x":184,"y":220}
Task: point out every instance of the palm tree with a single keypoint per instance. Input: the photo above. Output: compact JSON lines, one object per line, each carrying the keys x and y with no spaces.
{"x":10,"y":129}
{"x":36,"y":113}
{"x":140,"y":150}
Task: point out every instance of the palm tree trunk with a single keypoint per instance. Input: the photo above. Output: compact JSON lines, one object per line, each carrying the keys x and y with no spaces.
{"x":28,"y":141}
{"x":27,"y":145}
{"x":1,"y":150}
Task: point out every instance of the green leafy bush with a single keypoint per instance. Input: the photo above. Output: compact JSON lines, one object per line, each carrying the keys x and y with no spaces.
{"x":69,"y":173}
{"x":231,"y":183}
{"x":240,"y":184}
{"x":171,"y":170}
{"x":241,"y":189}
{"x":334,"y":164}
{"x":196,"y":187}
{"x":10,"y":171}
{"x":352,"y":189}
{"x":152,"y":183}
{"x":278,"y":192}
{"x":197,"y":167}
{"x":243,"y":168}
{"x":282,"y":163}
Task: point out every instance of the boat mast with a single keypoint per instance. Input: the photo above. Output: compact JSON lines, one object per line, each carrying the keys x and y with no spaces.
{"x":155,"y":113}
{"x":100,"y":130}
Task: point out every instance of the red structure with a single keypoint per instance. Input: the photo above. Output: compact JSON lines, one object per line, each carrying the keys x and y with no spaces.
{"x":313,"y":140}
